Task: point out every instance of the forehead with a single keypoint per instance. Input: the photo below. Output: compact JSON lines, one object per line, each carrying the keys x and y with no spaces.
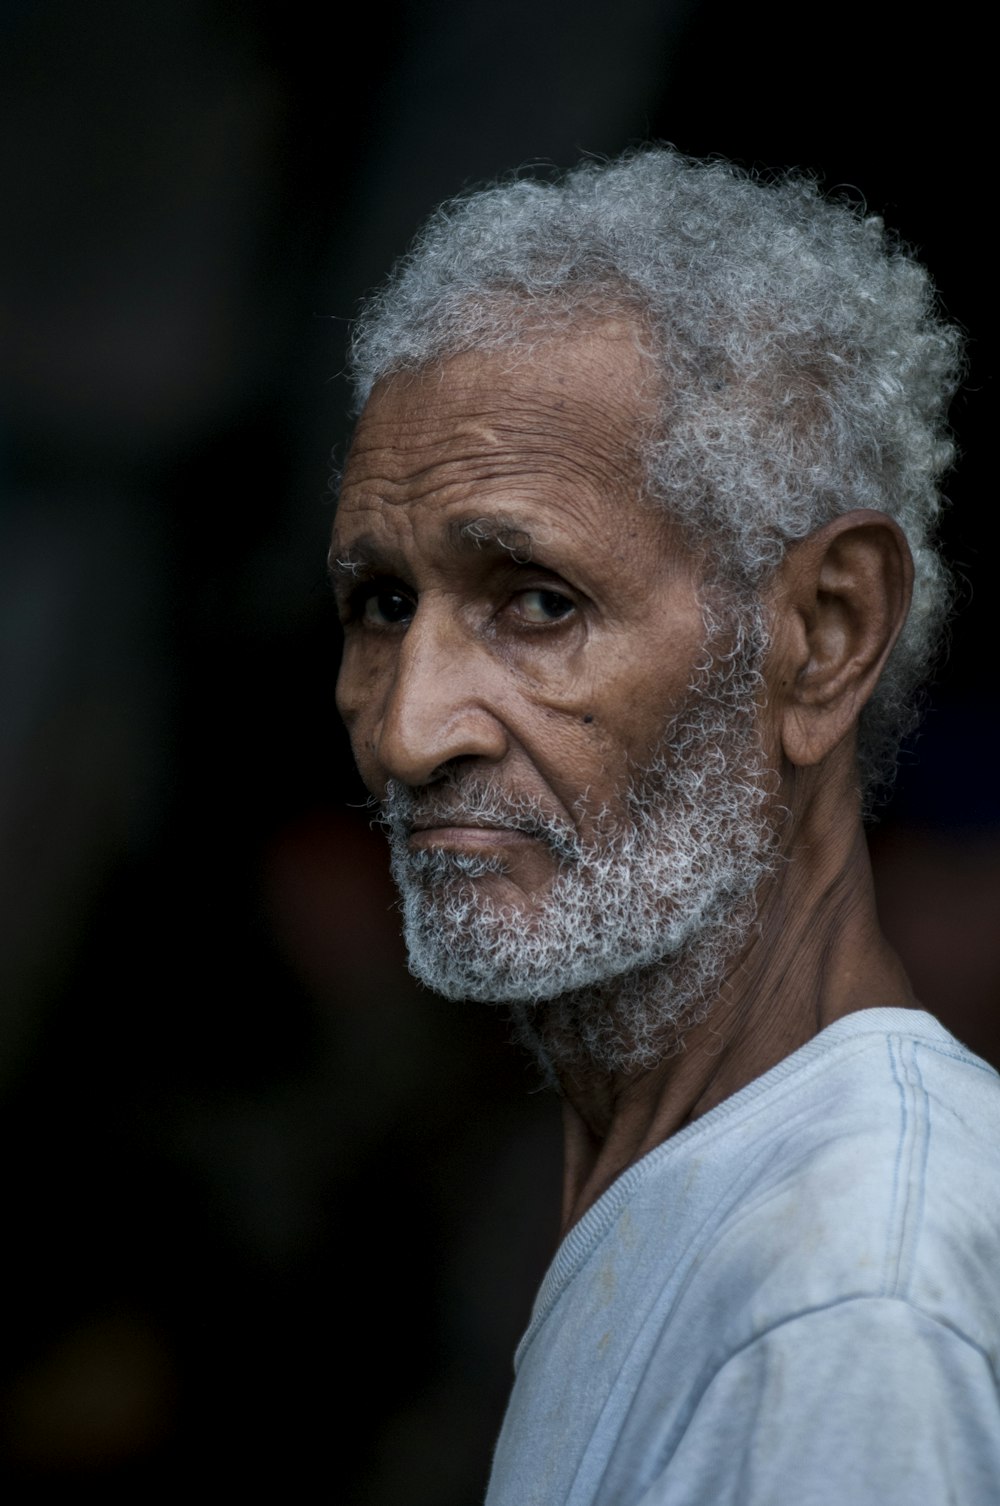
{"x":550,"y":437}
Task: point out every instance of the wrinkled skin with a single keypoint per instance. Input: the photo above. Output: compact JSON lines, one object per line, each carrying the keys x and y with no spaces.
{"x":553,"y":672}
{"x":514,"y":608}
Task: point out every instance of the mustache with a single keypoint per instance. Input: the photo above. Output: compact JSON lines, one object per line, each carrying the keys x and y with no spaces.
{"x":473,"y":801}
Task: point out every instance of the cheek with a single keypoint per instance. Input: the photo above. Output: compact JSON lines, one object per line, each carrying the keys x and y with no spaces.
{"x":363,"y":749}
{"x":347,"y":693}
{"x":630,"y":709}
{"x":359,"y":696}
{"x":599,"y":716}
{"x":590,"y":678}
{"x":584,"y":756}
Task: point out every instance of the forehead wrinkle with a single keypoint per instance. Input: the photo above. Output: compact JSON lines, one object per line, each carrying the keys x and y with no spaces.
{"x":567,"y":417}
{"x":565,"y":430}
{"x":526,"y":473}
{"x":590,"y":449}
{"x":390,"y":470}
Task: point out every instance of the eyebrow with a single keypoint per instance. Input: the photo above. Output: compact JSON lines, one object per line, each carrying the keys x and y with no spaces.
{"x":495,"y":533}
{"x":349,"y":564}
{"x":491,"y":534}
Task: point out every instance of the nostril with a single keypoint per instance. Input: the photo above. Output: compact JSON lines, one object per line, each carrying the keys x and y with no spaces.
{"x":449,"y":769}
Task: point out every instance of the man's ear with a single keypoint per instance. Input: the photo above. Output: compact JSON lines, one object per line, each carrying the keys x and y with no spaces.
{"x":839,"y":601}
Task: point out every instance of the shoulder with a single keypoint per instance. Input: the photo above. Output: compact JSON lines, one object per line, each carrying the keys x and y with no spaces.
{"x":868,"y":1401}
{"x":760,"y":1289}
{"x":835,"y":1314}
{"x":874,"y":1172}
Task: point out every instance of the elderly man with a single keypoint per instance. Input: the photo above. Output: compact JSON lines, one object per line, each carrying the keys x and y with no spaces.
{"x":635,"y":561}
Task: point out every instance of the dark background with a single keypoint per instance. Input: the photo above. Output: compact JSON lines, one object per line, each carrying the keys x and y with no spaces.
{"x":273,"y":1216}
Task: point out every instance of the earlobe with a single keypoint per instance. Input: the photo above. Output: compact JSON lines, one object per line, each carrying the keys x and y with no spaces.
{"x":841,"y":598}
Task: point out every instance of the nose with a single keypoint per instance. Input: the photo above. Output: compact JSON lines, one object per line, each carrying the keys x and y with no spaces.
{"x":437,"y":706}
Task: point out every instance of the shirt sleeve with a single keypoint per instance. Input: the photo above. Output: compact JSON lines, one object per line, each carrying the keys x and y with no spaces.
{"x":866,"y":1403}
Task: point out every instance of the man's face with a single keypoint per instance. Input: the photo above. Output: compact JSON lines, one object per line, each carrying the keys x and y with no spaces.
{"x":522,"y":633}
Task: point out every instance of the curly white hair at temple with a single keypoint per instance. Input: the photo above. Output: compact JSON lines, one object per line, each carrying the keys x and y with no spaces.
{"x":805,"y":368}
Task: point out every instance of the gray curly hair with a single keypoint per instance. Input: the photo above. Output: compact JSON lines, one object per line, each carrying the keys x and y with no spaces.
{"x":807,"y":369}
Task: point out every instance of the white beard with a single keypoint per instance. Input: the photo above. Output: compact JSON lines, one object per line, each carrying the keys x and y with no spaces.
{"x":639,"y":921}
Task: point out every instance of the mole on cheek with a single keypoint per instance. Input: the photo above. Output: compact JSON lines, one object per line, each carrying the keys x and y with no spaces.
{"x":589,"y":717}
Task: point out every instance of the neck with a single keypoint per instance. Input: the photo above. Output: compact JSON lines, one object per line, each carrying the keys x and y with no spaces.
{"x":816,"y":953}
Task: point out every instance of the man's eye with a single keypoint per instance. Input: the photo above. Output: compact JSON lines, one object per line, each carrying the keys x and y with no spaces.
{"x":540,"y":605}
{"x":383,"y":607}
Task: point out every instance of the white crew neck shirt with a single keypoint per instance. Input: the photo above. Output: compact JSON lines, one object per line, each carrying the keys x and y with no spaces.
{"x":795,"y":1299}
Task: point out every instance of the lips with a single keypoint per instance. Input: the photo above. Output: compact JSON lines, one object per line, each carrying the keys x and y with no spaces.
{"x":465,"y":834}
{"x":458,"y":824}
{"x":523,"y":823}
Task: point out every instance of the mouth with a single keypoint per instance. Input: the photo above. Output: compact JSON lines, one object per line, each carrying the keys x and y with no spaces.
{"x":477,"y":821}
{"x":460,"y":837}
